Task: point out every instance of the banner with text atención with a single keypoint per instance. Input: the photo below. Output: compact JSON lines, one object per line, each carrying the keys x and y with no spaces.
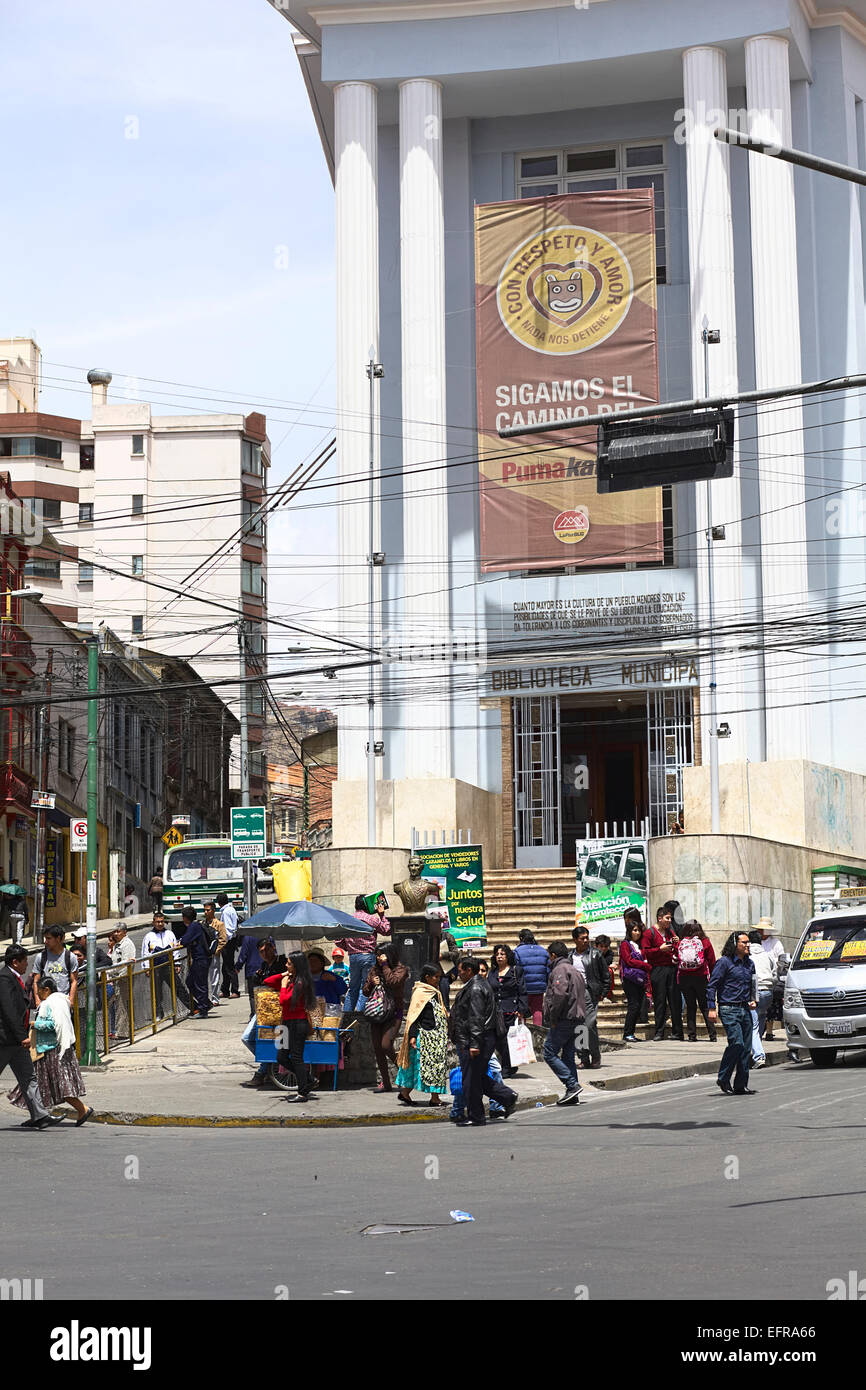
{"x":565,"y":302}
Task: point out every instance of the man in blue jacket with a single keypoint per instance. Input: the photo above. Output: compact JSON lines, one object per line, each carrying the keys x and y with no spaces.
{"x":733,"y":980}
{"x":199,"y":962}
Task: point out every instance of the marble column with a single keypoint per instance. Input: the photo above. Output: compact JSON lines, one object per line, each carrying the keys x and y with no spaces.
{"x":357,"y":333}
{"x":425,"y":504}
{"x":781,"y":468}
{"x":711,"y":276}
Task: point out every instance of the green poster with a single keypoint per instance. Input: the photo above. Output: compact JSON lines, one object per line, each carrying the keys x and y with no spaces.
{"x":457,"y":871}
{"x":611,"y":876}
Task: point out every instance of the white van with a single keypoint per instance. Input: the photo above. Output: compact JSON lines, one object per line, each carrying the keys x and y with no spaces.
{"x":825,"y":988}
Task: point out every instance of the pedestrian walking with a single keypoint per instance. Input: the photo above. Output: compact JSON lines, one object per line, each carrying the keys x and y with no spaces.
{"x":766,"y":978}
{"x":475,"y":1027}
{"x":733,"y":983}
{"x":195,"y":942}
{"x":695,"y":961}
{"x":634,"y":969}
{"x":58,"y":1074}
{"x":424,"y":1050}
{"x":535,"y":964}
{"x":229,"y":918}
{"x":591,"y":964}
{"x":361,"y":950}
{"x":57,"y":962}
{"x":384,"y":990}
{"x":155,"y":888}
{"x":297,"y":1000}
{"x":15,"y":1036}
{"x":774,"y":948}
{"x":659,"y":944}
{"x":565,"y":1002}
{"x":156,"y":952}
{"x":212,"y":923}
{"x":509,"y":988}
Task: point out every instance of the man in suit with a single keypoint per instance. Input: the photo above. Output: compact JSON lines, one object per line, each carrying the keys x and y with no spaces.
{"x":15,"y":1036}
{"x":476,"y":1026}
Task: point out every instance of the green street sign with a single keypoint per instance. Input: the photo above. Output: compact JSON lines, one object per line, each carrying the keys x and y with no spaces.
{"x":248,"y":832}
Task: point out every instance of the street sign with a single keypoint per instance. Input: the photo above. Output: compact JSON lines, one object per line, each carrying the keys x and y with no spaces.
{"x":172,"y":837}
{"x":182,"y":822}
{"x":42,"y":801}
{"x":78,"y":836}
{"x":248,"y":832}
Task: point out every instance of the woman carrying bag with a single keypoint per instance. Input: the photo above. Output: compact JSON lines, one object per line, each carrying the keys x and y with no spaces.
{"x":297,"y":1001}
{"x":57,"y":1070}
{"x":424,"y":1049}
{"x":384,"y":990}
{"x":509,"y":988}
{"x":634,"y":970}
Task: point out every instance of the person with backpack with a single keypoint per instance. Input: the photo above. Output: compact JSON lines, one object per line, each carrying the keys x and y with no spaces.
{"x":215,"y":933}
{"x":198,"y":944}
{"x":56,"y":962}
{"x":534,"y":963}
{"x":659,"y":945}
{"x":696,"y":959}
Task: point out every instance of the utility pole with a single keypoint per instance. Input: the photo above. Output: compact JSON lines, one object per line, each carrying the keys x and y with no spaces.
{"x":708,"y":336}
{"x":375,"y":371}
{"x":91,"y":1056}
{"x":245,"y":757}
{"x":42,"y":746}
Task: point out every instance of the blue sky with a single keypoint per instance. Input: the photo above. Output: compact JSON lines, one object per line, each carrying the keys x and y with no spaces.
{"x":170,"y":216}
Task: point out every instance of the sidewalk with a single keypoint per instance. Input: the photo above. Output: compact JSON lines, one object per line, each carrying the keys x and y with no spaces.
{"x":103,"y":927}
{"x":191,"y":1074}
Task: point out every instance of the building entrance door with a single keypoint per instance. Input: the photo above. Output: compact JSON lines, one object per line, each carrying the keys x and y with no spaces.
{"x":604,"y":770}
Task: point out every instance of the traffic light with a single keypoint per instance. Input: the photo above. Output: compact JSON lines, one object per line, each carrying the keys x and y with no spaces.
{"x":694,"y":447}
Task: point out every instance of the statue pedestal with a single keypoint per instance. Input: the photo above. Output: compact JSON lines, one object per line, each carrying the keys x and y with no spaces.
{"x":339,"y":875}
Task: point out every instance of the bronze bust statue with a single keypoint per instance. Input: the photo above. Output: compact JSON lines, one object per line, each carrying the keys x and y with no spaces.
{"x":413,"y":890}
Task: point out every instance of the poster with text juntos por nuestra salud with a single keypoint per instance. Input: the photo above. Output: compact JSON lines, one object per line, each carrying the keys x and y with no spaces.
{"x":566,"y":327}
{"x":457,"y":871}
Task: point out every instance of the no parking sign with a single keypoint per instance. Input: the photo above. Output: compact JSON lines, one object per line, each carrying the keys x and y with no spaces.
{"x":78,"y":836}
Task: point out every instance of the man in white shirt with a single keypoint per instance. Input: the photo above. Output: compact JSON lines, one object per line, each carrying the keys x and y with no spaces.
{"x":229,"y":919}
{"x":775,"y":950}
{"x":122,"y":952}
{"x":156,"y":947}
{"x":765,"y":979}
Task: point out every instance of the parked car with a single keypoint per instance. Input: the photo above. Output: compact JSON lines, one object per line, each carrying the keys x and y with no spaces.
{"x":825,"y":987}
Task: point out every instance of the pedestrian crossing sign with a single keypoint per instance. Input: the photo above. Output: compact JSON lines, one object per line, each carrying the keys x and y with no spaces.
{"x":172,"y":837}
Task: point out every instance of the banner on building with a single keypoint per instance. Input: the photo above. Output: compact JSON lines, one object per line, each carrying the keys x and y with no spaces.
{"x":611,"y":876}
{"x":457,"y":871}
{"x":565,"y":302}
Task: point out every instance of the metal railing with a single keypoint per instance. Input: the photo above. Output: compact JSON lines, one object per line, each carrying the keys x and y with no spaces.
{"x":134,"y":999}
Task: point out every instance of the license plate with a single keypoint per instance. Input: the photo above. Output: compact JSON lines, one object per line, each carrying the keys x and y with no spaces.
{"x":836,"y":1030}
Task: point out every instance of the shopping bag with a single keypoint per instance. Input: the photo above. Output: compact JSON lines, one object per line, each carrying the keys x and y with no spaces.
{"x":520,"y":1049}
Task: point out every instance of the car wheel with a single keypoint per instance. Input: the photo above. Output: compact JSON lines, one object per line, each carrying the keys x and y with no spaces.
{"x":823,"y":1056}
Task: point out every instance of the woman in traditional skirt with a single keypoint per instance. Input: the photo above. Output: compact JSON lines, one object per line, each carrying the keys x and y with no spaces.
{"x":57,"y":1070}
{"x":423,"y":1052}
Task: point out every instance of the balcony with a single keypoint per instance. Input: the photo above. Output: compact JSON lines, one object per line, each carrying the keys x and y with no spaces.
{"x":16,"y":654}
{"x":15,"y":791}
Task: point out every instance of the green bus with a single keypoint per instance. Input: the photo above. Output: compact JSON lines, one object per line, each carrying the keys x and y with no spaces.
{"x":194,"y":872}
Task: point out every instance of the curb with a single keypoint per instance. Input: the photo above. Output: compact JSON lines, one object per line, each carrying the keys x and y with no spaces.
{"x":618,"y":1083}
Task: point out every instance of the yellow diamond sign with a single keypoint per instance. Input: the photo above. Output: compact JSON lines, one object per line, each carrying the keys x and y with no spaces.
{"x":172,"y":837}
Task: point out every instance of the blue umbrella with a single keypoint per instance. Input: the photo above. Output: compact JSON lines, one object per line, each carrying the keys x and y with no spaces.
{"x":303,"y":921}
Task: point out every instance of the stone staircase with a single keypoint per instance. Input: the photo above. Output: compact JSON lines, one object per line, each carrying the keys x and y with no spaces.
{"x":541,"y":899}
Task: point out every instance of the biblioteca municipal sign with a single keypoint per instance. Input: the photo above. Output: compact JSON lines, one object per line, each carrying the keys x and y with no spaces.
{"x":661,"y":671}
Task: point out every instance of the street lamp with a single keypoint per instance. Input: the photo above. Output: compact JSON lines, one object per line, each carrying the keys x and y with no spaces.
{"x":21,"y":593}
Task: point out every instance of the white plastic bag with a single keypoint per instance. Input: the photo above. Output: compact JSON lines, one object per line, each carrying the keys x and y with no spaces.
{"x":520,"y":1049}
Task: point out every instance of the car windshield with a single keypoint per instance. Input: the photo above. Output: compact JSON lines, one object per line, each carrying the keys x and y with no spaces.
{"x":203,"y":863}
{"x":832,"y":943}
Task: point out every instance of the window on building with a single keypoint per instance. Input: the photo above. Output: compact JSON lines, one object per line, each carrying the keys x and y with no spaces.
{"x":251,"y":457}
{"x":26,"y":446}
{"x":138,"y":625}
{"x":638,"y":165}
{"x":86,"y":456}
{"x":137,"y":503}
{"x":251,"y":577}
{"x":255,"y":700}
{"x":138,"y":564}
{"x":255,"y":641}
{"x":138,"y":443}
{"x":252,"y":520}
{"x":66,"y":747}
{"x":48,"y":508}
{"x":42,"y":569}
{"x":257,"y":764}
{"x":85,"y":511}
{"x":85,"y":573}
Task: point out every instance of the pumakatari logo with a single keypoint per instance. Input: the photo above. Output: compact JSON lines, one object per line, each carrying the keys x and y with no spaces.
{"x":572,"y":526}
{"x":566,"y":291}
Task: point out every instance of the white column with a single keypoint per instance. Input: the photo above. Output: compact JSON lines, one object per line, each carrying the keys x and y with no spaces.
{"x":784,"y":574}
{"x":425,"y":500}
{"x":711,"y":273}
{"x":357,"y":260}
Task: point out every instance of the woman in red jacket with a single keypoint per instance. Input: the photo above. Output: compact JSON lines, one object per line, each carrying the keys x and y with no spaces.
{"x":297,"y":996}
{"x":634,"y":969}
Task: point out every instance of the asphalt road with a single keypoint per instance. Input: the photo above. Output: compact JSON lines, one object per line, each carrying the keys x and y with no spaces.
{"x":626,"y":1195}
